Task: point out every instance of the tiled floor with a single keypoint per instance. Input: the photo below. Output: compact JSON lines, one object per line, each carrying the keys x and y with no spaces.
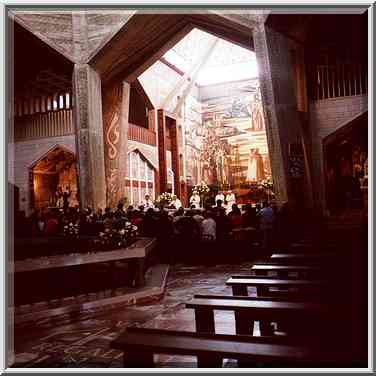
{"x":85,"y":343}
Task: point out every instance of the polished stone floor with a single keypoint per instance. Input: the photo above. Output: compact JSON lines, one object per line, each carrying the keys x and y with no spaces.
{"x":85,"y":343}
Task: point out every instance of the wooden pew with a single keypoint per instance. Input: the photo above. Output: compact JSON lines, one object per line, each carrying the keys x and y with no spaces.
{"x":282,"y":271}
{"x":239,"y":285}
{"x":140,"y":344}
{"x":301,"y":258}
{"x":303,"y":315}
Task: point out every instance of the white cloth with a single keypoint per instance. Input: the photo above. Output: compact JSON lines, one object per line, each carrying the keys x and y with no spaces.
{"x":41,"y":226}
{"x":148,"y":204}
{"x":176,"y":203}
{"x":220,"y":196}
{"x":267,"y":218}
{"x":208,"y":227}
{"x":195,"y":200}
{"x":230,"y":199}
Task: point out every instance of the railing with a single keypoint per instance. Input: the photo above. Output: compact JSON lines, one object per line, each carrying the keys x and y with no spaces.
{"x":141,"y":134}
{"x":43,"y":104}
{"x":49,"y":124}
{"x":342,"y":80}
{"x":60,"y":123}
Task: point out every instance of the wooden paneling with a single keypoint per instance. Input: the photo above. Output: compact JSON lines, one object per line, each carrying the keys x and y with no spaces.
{"x":50,"y":124}
{"x":141,"y":134}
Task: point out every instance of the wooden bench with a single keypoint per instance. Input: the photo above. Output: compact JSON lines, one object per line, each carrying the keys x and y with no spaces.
{"x":282,"y":271}
{"x":239,"y":284}
{"x":302,"y":258}
{"x":140,"y":344}
{"x":303,"y":315}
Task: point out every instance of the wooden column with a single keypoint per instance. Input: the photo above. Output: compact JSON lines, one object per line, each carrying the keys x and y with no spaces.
{"x":115,"y":120}
{"x":162,"y":162}
{"x":151,"y":120}
{"x":89,"y":136}
{"x":175,"y":157}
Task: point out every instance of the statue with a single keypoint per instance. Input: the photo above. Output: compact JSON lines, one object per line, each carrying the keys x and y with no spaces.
{"x":255,"y":170}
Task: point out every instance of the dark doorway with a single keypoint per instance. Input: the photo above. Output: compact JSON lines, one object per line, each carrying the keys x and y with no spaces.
{"x":346,"y":166}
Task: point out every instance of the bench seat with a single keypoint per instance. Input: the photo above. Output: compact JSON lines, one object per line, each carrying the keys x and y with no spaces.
{"x":304,"y":316}
{"x":140,"y":344}
{"x":239,"y":285}
{"x":284,"y":270}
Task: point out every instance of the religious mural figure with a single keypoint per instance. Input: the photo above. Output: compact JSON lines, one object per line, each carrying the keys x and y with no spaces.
{"x":255,"y":171}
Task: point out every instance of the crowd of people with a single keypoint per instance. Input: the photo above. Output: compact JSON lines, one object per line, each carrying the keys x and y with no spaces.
{"x":209,"y":224}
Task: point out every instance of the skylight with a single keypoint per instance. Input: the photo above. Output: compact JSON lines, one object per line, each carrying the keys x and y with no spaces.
{"x":227,"y":62}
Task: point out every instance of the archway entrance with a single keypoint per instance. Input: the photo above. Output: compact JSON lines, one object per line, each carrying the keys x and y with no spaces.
{"x":346,"y":166}
{"x":57,"y":168}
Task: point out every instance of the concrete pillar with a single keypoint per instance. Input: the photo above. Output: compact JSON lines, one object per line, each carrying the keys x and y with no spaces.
{"x":89,"y":136}
{"x":115,"y":127}
{"x":280,"y":107}
{"x":175,"y":163}
{"x":162,"y":162}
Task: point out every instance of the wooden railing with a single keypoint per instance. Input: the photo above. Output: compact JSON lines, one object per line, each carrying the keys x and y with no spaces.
{"x":43,"y":104}
{"x":341,"y":80}
{"x":49,"y":124}
{"x":141,"y":134}
{"x":60,"y":123}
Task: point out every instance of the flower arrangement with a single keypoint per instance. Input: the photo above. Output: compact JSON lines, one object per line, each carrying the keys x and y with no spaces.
{"x":71,"y":230}
{"x":117,"y":238}
{"x":164,"y":198}
{"x":201,"y":188}
{"x":267,"y":184}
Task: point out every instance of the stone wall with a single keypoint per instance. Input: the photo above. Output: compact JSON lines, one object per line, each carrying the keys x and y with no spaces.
{"x":327,"y":116}
{"x":24,"y":154}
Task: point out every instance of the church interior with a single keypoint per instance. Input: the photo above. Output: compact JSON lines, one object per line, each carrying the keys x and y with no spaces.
{"x":188,"y":189}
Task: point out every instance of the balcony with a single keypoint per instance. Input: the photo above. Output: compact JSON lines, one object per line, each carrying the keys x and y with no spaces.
{"x":141,"y":134}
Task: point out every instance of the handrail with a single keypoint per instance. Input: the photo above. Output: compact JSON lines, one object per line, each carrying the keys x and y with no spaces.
{"x":339,"y":80}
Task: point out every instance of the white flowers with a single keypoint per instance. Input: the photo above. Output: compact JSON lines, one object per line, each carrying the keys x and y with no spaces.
{"x":165,"y":198}
{"x":267,"y":183}
{"x":201,"y":188}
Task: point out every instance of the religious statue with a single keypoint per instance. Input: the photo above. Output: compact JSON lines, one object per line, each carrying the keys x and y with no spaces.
{"x":255,"y":170}
{"x":59,"y":197}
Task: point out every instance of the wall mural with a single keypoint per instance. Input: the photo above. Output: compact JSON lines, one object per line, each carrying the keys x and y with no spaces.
{"x":228,"y":150}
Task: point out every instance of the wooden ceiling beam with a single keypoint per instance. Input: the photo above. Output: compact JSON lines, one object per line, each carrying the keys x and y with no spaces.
{"x":138,"y":45}
{"x":140,"y":90}
{"x":224,"y":29}
{"x":176,"y":33}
